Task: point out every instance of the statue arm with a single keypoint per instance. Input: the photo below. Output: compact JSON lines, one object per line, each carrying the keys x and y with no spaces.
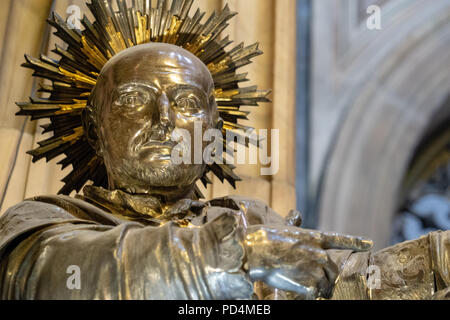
{"x":255,"y":212}
{"x":418,"y":269}
{"x":127,"y":261}
{"x":281,"y":255}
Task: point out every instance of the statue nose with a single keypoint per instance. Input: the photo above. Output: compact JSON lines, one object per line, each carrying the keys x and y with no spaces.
{"x":163,"y":124}
{"x":164,"y":110}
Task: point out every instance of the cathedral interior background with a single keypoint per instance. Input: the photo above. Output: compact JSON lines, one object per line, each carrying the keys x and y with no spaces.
{"x":363,"y":113}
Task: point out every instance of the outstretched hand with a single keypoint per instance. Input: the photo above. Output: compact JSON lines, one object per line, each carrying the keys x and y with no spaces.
{"x":295,"y":259}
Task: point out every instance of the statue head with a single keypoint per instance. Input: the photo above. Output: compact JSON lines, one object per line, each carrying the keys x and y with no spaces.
{"x":142,"y":95}
{"x":118,"y":93}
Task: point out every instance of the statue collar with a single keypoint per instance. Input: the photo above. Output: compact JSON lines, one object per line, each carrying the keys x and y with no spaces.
{"x":143,"y":208}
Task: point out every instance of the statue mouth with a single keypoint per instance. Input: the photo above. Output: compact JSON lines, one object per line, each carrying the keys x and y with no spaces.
{"x":154,"y":144}
{"x":156,"y":150}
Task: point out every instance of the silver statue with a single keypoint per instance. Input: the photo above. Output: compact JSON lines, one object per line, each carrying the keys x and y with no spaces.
{"x":145,"y":235}
{"x":141,"y":96}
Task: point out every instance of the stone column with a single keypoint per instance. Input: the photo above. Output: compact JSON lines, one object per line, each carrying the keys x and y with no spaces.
{"x":22,"y":28}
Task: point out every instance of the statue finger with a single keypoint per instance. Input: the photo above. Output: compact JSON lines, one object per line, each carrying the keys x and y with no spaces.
{"x":331,"y":240}
{"x":345,"y":242}
{"x":281,"y":254}
{"x":300,"y":251}
{"x":278,"y":279}
{"x":324,"y":240}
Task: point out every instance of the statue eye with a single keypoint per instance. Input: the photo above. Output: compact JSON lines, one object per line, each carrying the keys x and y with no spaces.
{"x":134,"y":100}
{"x":188,"y":104}
{"x":131,"y":100}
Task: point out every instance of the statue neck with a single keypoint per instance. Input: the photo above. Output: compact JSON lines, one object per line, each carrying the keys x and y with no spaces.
{"x":166,"y":195}
{"x":158,"y":209}
{"x":170,"y":195}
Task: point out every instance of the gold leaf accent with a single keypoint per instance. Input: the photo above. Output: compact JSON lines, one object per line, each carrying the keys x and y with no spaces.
{"x":78,"y":76}
{"x":117,"y":41}
{"x":94,"y":54}
{"x":220,"y":94}
{"x":78,"y":133}
{"x":69,"y":108}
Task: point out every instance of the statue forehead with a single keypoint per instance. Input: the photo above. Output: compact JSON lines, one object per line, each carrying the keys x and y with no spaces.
{"x":146,"y":61}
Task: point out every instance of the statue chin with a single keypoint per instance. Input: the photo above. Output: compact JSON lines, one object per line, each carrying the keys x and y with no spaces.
{"x":162,"y":176}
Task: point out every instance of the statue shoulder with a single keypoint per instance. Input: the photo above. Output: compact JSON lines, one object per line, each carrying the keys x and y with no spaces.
{"x":41,"y":212}
{"x":256,"y":211}
{"x":29,"y":216}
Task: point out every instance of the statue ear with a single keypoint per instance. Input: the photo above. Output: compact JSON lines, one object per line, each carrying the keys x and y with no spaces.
{"x":217,"y":120}
{"x":219,"y":125}
{"x":90,"y":130}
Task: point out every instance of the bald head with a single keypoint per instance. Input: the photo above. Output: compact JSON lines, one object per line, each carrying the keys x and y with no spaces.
{"x":142,"y":95}
{"x":151,"y":61}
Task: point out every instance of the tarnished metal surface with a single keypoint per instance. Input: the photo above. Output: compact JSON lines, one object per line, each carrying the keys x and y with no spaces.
{"x":411,"y":270}
{"x":440,"y":253}
{"x":128,"y":261}
{"x":406,"y":271}
{"x":144,"y":235}
{"x":120,"y":259}
{"x":219,"y":254}
{"x":142,"y":95}
{"x":352,"y":281}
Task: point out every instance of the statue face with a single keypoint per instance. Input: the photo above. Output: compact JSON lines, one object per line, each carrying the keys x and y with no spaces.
{"x":143,"y":94}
